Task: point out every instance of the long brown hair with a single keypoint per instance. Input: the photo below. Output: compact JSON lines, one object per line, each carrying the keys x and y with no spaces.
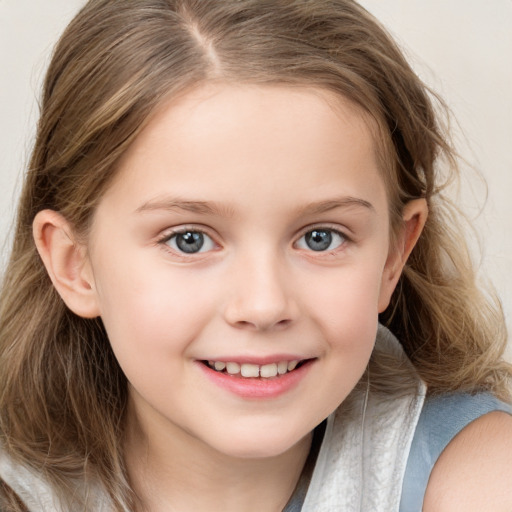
{"x":62,"y":393}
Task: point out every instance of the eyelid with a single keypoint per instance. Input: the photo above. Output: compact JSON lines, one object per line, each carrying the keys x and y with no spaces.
{"x":327,"y":227}
{"x":324,"y":227}
{"x":169,"y":233}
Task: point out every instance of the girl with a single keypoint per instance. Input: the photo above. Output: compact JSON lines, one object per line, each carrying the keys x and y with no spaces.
{"x":224,"y":199}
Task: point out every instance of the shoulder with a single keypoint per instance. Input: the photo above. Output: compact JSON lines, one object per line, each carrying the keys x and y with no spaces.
{"x":474,"y":471}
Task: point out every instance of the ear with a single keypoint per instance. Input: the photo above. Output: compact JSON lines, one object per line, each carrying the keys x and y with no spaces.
{"x":414,"y":217}
{"x":66,"y":262}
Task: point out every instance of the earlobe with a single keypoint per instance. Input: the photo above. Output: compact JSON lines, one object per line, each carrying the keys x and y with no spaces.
{"x":66,"y":262}
{"x":414,"y":217}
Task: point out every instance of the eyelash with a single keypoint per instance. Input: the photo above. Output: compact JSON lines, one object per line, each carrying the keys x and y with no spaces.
{"x":165,"y":239}
{"x":344,"y":239}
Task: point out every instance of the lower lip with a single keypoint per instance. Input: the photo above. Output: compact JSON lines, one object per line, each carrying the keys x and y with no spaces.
{"x":257,"y":388}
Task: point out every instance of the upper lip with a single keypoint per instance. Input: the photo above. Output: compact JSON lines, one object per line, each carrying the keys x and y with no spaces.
{"x":259,"y":360}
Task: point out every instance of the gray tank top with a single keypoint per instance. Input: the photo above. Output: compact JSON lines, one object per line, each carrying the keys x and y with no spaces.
{"x":441,"y":419}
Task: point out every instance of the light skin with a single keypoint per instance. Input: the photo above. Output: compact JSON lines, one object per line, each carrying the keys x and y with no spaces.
{"x":474,"y":471}
{"x":282,"y":192}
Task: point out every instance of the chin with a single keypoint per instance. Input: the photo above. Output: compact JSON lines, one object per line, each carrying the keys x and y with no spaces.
{"x":258,"y":445}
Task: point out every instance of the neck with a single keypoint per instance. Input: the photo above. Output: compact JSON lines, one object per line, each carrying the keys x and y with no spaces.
{"x":175,"y":471}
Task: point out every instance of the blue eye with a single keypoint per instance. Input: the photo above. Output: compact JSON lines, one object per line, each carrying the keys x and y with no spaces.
{"x":190,"y":242}
{"x":319,"y":240}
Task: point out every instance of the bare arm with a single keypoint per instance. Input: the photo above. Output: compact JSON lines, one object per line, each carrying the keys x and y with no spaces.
{"x":474,"y":472}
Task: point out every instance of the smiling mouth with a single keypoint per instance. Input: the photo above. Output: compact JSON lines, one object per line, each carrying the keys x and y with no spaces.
{"x":248,"y":370}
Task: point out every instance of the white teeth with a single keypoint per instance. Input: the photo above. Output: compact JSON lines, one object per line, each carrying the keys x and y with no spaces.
{"x":292,"y":365}
{"x":232,"y":368}
{"x":250,"y":370}
{"x":268,"y":370}
{"x":282,"y":367}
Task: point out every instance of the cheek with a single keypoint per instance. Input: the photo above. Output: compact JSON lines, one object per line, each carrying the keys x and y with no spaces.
{"x":149,"y":311}
{"x":347,"y":300}
{"x":346,"y":310}
{"x":150,"y":328}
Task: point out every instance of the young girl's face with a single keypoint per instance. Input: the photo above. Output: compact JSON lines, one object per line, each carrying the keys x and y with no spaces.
{"x":248,"y":230}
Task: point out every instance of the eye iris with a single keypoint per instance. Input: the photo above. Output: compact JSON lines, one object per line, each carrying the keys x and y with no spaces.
{"x":318,"y":240}
{"x":190,"y":242}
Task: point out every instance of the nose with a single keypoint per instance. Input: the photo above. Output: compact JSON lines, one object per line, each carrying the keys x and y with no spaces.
{"x":260,"y":294}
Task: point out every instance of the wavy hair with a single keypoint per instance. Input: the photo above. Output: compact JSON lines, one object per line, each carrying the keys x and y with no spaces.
{"x":62,"y":393}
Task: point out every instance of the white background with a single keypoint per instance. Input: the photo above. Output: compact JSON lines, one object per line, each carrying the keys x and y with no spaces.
{"x":463,"y":48}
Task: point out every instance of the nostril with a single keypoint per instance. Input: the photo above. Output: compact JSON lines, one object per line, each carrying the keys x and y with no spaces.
{"x":259,"y":313}
{"x":263,"y":326}
{"x":244,"y":323}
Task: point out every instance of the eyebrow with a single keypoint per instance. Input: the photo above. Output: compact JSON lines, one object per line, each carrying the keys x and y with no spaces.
{"x":175,"y":203}
{"x":213,"y":208}
{"x":331,"y":204}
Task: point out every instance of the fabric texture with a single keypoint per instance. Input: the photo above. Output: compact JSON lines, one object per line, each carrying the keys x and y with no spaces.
{"x":359,"y":460}
{"x":441,"y":419}
{"x":362,"y":460}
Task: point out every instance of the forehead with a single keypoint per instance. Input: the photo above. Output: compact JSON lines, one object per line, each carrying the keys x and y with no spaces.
{"x":217,"y":138}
